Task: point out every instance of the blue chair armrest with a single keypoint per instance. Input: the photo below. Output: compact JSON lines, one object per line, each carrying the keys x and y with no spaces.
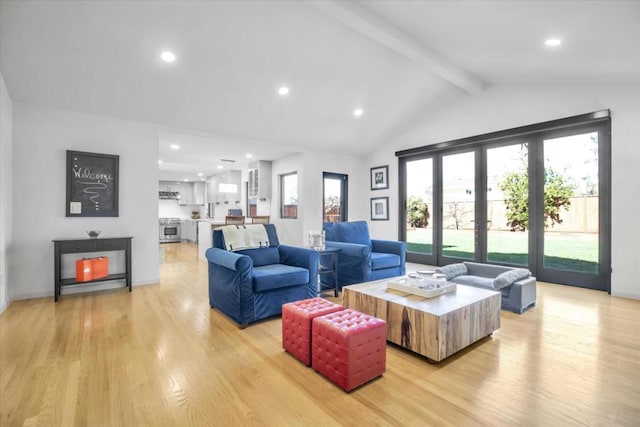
{"x":299,"y":257}
{"x":229,"y":260}
{"x":389,"y":247}
{"x":303,"y":258}
{"x":351,"y":249}
{"x":354,"y":262}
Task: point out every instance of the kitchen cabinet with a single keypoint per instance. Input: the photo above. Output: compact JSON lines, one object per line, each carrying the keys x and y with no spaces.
{"x":199,"y":193}
{"x":260,"y":180}
{"x":191,"y":193}
{"x":185,"y":189}
{"x":205,"y":236}
{"x":189,"y":230}
{"x":186,"y":194}
{"x":212,"y":189}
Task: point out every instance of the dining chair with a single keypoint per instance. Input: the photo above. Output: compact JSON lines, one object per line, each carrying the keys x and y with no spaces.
{"x":260,"y":219}
{"x":234,"y":220}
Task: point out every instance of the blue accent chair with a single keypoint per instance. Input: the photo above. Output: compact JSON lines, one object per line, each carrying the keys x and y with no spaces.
{"x":363,"y":259}
{"x":252,"y":284}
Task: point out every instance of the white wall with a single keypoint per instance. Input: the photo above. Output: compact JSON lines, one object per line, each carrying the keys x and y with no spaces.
{"x":41,"y":137}
{"x":290,"y":230}
{"x":310,"y":165}
{"x":6,"y":191}
{"x":511,"y":105}
{"x":171,"y":209}
{"x":315,"y":163}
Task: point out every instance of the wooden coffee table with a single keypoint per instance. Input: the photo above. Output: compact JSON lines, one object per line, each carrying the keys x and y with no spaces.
{"x":433,"y":327}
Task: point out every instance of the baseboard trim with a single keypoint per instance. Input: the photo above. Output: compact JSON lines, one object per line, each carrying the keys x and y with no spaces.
{"x":4,"y":305}
{"x":625,"y":295}
{"x":90,"y":287}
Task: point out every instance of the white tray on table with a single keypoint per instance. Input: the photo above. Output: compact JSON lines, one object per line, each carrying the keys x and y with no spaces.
{"x":422,"y":289}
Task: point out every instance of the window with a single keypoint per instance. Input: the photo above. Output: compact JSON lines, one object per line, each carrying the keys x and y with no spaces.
{"x":334,"y":197}
{"x":537,"y":196}
{"x":289,"y":195}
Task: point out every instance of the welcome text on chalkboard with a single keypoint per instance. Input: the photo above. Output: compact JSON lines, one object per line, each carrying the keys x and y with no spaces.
{"x":92,"y":184}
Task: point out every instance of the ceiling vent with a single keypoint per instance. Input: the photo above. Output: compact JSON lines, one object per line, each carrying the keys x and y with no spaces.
{"x":227,"y":160}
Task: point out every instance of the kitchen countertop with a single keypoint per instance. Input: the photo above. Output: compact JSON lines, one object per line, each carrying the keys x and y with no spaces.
{"x":211,"y":220}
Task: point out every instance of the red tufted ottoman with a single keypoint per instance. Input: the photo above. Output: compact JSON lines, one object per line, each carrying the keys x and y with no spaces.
{"x":296,"y":325}
{"x":349,"y":347}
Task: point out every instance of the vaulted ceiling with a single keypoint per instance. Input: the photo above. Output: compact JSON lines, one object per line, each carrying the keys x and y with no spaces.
{"x":396,"y":60}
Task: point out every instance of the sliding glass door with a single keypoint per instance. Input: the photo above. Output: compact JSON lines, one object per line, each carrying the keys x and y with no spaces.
{"x":535,"y":197}
{"x":458,"y":226}
{"x":570,"y":237}
{"x":507,"y":204}
{"x":418,"y":210}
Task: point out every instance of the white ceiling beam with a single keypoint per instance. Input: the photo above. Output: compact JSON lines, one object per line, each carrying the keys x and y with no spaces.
{"x":349,"y":13}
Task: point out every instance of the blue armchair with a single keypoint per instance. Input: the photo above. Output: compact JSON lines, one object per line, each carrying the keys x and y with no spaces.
{"x":252,"y":284}
{"x":361,"y":258}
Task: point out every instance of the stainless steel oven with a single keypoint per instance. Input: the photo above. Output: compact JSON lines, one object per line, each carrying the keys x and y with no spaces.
{"x":170,"y":230}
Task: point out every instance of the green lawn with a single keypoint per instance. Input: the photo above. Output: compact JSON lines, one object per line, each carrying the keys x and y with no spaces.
{"x":565,"y":251}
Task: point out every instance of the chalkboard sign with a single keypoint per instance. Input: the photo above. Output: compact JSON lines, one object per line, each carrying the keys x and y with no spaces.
{"x":92,"y":184}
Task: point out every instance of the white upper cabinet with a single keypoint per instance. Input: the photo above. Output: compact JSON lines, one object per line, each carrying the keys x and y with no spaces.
{"x":199,"y":193}
{"x":260,"y":180}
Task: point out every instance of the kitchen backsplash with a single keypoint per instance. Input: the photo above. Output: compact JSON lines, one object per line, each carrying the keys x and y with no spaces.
{"x":171,"y":209}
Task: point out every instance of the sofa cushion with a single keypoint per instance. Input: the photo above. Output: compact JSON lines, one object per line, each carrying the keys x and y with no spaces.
{"x":328,"y":231}
{"x":381,"y":260}
{"x":453,"y":270}
{"x":508,"y":277}
{"x":477,"y":281}
{"x":276,"y":276}
{"x":351,"y":232}
{"x":262,"y":256}
{"x":485,"y":270}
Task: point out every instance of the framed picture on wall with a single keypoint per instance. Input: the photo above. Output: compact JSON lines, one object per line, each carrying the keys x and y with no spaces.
{"x":92,"y":184}
{"x":379,"y":208}
{"x":380,"y":178}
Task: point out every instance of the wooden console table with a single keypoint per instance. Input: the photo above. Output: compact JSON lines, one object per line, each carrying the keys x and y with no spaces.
{"x":74,"y":246}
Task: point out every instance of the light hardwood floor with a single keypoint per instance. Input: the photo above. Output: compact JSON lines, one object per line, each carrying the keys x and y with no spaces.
{"x":160,"y":356}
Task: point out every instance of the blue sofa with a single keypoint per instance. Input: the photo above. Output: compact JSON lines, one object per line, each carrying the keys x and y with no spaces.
{"x":361,"y":258}
{"x":252,"y":284}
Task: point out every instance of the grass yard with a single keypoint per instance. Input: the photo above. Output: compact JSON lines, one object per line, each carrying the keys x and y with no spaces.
{"x":564,"y":251}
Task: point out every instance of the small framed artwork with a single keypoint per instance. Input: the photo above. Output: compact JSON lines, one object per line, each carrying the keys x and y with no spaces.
{"x":380,"y":178}
{"x":379,"y":208}
{"x":92,"y":184}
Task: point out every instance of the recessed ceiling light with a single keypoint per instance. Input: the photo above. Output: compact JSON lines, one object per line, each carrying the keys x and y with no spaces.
{"x":168,"y":56}
{"x":159,"y":162}
{"x":283,"y":91}
{"x":220,"y":166}
{"x":248,"y":155}
{"x":175,"y":147}
{"x":186,"y":180}
{"x":553,"y":42}
{"x":358,"y":112}
{"x":200,"y":174}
